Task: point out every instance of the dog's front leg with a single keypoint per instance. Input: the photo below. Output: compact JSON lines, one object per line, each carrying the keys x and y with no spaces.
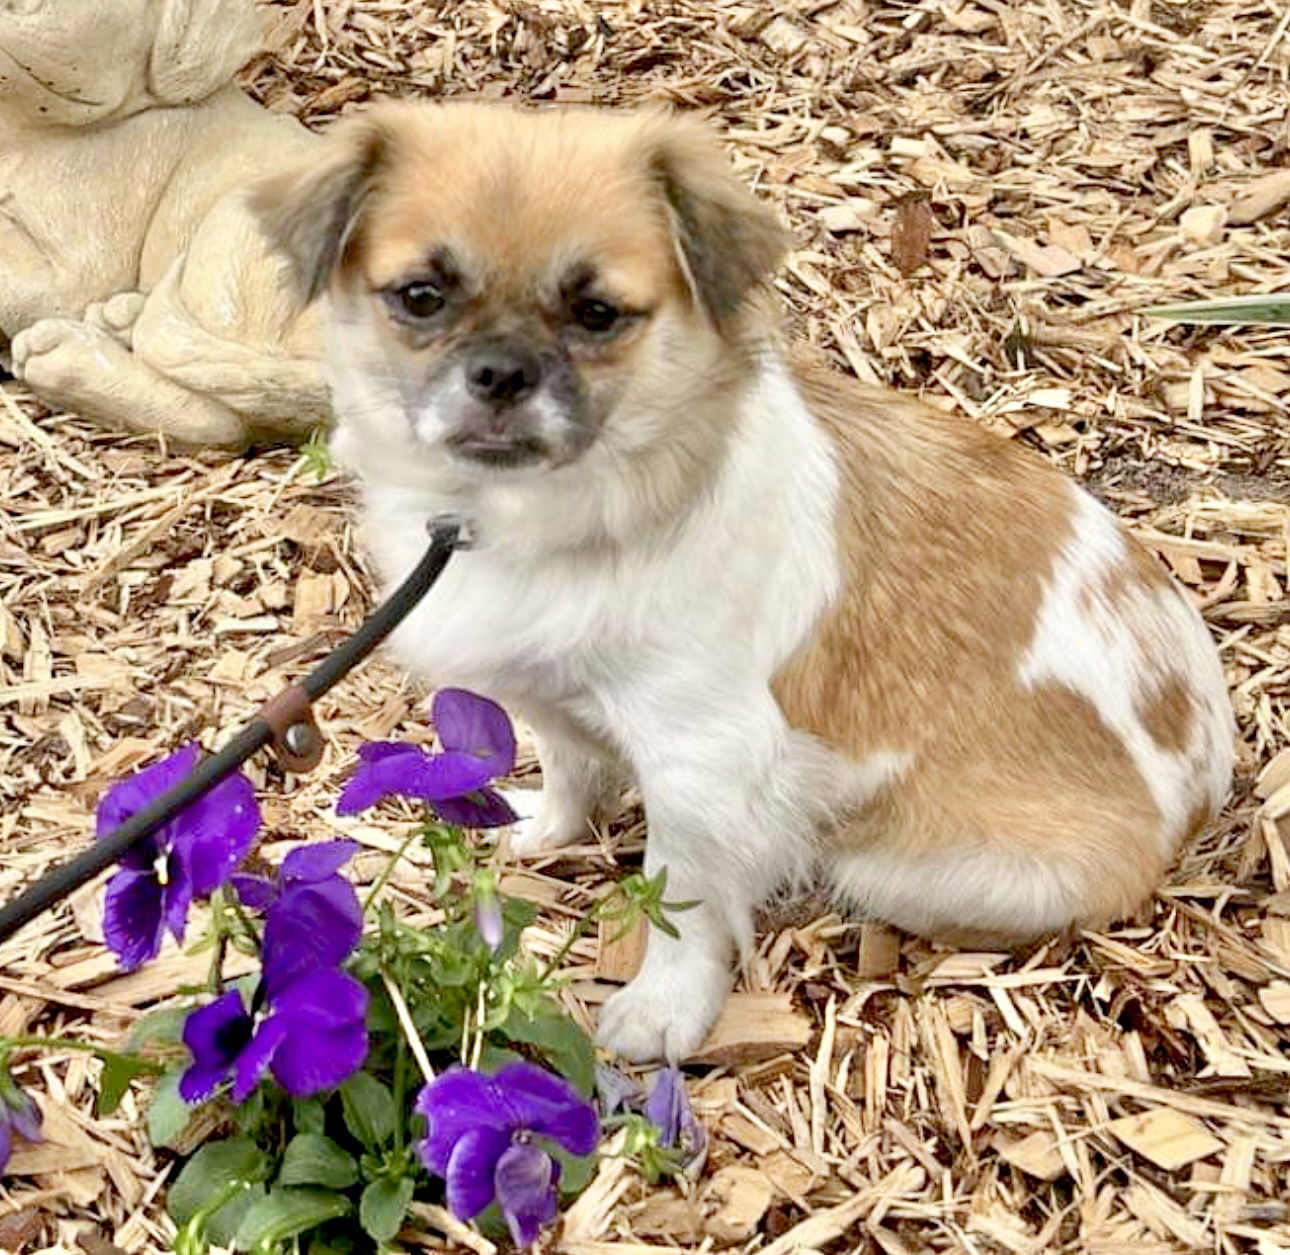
{"x":582,"y":782}
{"x":727,"y":821}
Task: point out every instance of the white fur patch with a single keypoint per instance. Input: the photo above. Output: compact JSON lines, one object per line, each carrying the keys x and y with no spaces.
{"x":988,"y":889}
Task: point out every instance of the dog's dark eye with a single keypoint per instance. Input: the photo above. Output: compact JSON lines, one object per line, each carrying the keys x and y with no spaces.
{"x":598,"y":317}
{"x":419,"y":299}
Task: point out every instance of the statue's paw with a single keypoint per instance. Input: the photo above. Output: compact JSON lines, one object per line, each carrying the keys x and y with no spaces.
{"x":59,"y":358}
{"x":117,"y":315}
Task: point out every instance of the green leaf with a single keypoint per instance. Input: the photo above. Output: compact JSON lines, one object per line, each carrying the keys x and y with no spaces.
{"x":1231,"y":310}
{"x":163,"y":1027}
{"x":168,"y":1114}
{"x":369,"y":1110}
{"x":286,"y":1211}
{"x":309,"y":1115}
{"x":234,"y":1168}
{"x":565,"y":1046}
{"x":311,"y":1159}
{"x":114,"y":1080}
{"x":383,"y":1206}
{"x":576,"y":1171}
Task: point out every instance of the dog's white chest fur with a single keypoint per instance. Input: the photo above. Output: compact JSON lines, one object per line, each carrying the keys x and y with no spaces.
{"x":713,"y":604}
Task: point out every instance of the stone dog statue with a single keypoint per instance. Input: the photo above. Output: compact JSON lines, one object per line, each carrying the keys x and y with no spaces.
{"x":135,"y":287}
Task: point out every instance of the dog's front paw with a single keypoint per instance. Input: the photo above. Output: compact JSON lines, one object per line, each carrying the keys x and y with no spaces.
{"x":665,"y":1013}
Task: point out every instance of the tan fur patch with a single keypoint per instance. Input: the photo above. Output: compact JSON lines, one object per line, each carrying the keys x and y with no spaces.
{"x":1168,"y":715}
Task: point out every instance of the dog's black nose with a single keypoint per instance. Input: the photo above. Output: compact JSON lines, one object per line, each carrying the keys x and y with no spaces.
{"x":502,"y":374}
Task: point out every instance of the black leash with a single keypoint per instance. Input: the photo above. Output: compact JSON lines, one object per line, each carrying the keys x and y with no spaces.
{"x":285,"y":721}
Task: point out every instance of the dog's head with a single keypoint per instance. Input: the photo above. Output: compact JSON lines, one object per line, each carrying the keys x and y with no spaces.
{"x":82,"y":62}
{"x":511,"y":288}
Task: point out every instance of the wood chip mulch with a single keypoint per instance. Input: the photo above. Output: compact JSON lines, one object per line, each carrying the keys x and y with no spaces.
{"x":983,"y":193}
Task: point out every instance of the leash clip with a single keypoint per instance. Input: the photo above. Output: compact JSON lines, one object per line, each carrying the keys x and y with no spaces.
{"x":297,"y":738}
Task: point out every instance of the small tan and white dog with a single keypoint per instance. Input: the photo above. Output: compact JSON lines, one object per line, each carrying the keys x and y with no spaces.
{"x":821,"y":625}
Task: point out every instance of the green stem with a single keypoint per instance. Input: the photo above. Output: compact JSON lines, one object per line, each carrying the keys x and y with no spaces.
{"x":579,"y":930}
{"x":68,"y":1043}
{"x":400,"y":1087}
{"x":214,"y":974}
{"x":388,"y":870}
{"x":245,"y":920}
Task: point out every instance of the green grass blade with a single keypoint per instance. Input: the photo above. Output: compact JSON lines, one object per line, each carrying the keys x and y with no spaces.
{"x":1232,"y":310}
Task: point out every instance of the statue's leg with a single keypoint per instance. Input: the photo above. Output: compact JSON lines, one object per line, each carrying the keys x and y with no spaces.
{"x":81,"y":367}
{"x":117,"y":315}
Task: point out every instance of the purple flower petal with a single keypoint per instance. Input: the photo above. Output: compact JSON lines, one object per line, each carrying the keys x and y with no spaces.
{"x":215,"y":1035}
{"x":317,"y":861}
{"x":426,"y":777}
{"x":455,"y":1102}
{"x":664,"y":1105}
{"x":549,"y":1105}
{"x":256,"y":893}
{"x":336,"y":996}
{"x":525,"y":1180}
{"x":327,"y":1038}
{"x":254,"y":1061}
{"x":197,"y":1083}
{"x":489,"y":923}
{"x":132,"y":794}
{"x":6,"y":1144}
{"x":374,"y":751}
{"x":377,"y":775}
{"x":311,"y":926}
{"x":176,"y":898}
{"x":219,"y":828}
{"x":485,"y":809}
{"x":133,"y":916}
{"x":476,"y":726}
{"x":309,"y":1064}
{"x":616,"y":1090}
{"x":469,"y":1174}
{"x":24,"y":1115}
{"x":668,"y":1109}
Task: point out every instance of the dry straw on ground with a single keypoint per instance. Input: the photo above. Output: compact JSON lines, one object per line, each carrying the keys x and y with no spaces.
{"x":982,"y":193}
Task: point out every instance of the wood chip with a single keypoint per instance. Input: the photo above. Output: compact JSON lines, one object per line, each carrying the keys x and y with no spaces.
{"x":1168,"y":1138}
{"x":1261,"y":197}
{"x":1036,"y":1155}
{"x":739,"y":1197}
{"x":753,"y":1027}
{"x":911,"y":234}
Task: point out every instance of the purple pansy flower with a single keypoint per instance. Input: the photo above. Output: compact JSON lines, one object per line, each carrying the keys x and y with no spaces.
{"x":189,"y":857}
{"x":18,"y":1114}
{"x":668,"y":1109}
{"x":481,"y":1140}
{"x":312,"y":915}
{"x":312,"y":1037}
{"x":478,"y":746}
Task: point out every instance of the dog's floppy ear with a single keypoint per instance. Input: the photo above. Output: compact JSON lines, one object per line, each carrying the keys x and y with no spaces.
{"x":729,"y":243}
{"x":199,"y":46}
{"x":310,"y":213}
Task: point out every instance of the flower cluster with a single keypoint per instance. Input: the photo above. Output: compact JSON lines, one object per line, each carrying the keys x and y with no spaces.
{"x":309,"y":1020}
{"x":316,"y":1055}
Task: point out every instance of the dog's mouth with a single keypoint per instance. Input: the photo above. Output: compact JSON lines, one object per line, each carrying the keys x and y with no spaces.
{"x":500,"y":452}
